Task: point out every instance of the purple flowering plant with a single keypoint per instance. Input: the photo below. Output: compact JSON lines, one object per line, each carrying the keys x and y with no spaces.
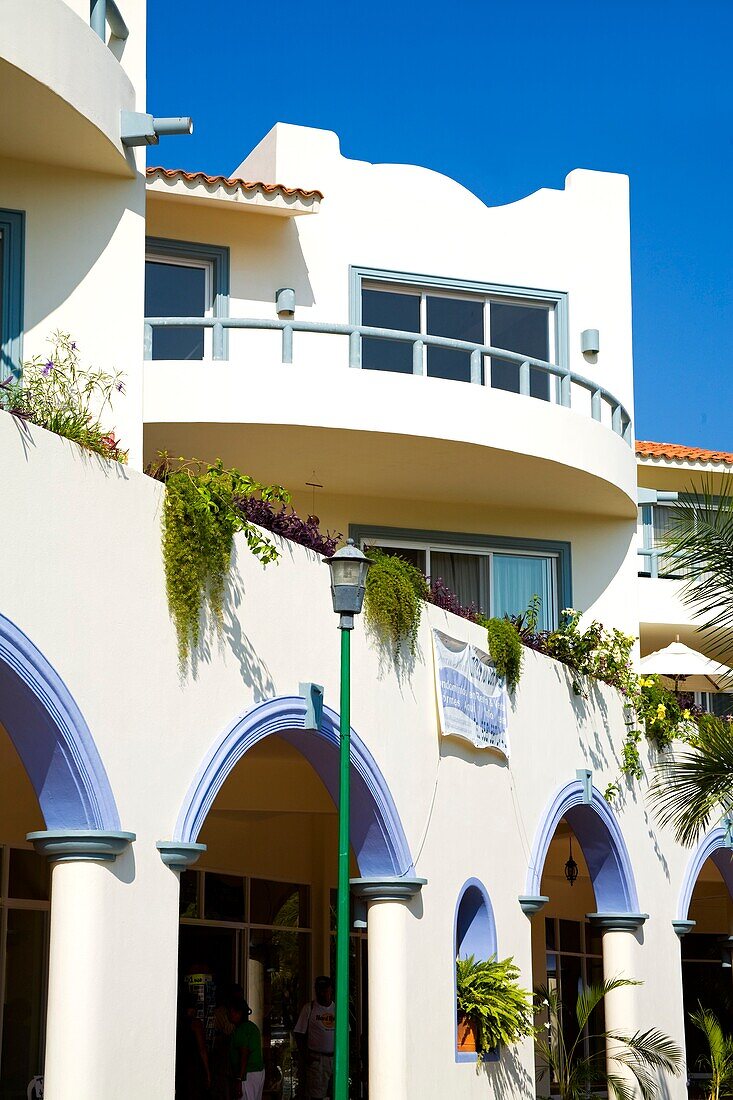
{"x":58,"y":394}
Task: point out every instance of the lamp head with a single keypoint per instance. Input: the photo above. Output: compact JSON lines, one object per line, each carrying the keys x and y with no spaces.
{"x":349,"y":567}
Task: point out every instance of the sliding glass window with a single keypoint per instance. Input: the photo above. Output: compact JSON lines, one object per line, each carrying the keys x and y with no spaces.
{"x":507,"y":321}
{"x":492,"y":580}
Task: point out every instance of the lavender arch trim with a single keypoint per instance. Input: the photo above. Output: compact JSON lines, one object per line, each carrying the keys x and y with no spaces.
{"x":52,"y":738}
{"x":603,"y":845}
{"x":377,"y":835}
{"x":711,"y":846}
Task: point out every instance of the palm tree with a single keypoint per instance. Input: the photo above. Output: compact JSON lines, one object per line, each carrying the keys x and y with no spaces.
{"x":639,"y":1057}
{"x":719,"y":1062}
{"x":696,"y":784}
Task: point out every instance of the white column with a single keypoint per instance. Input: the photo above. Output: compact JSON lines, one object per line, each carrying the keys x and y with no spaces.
{"x":619,"y":961}
{"x":387,"y":929}
{"x":110,"y":1029}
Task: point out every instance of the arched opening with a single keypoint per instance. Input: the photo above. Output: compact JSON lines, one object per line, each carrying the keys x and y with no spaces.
{"x":579,"y":866}
{"x":474,"y":934}
{"x":258,"y":908}
{"x":706,"y":947}
{"x":52,"y":777}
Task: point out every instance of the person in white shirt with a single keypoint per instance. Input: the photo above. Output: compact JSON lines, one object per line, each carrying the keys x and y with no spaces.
{"x":314,"y":1033}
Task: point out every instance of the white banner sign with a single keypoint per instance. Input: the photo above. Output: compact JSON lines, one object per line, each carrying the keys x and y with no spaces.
{"x":472,"y":699}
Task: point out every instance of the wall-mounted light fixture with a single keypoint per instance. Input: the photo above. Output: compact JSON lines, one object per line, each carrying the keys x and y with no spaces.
{"x":589,"y":341}
{"x":285,"y":303}
{"x":142,"y":129}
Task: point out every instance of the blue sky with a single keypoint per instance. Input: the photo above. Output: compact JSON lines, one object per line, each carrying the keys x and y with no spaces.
{"x":506,"y":98}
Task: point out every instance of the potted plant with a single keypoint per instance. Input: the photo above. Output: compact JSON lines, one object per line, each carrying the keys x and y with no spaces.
{"x":493,"y":1009}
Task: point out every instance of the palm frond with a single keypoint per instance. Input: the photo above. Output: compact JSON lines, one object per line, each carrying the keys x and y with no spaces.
{"x":590,"y":996}
{"x":696,"y":784}
{"x":620,"y":1087}
{"x":700,"y":540}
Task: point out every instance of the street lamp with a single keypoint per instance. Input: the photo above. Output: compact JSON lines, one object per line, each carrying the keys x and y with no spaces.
{"x":349,"y":569}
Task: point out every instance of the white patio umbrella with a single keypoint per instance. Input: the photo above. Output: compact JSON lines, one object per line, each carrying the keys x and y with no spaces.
{"x":689,"y":669}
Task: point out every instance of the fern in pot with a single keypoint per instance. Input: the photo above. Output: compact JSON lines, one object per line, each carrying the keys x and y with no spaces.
{"x":493,"y":1009}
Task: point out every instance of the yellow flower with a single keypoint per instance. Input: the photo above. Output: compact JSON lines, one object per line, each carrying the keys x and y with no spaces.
{"x":686,"y":714}
{"x":661,"y":710}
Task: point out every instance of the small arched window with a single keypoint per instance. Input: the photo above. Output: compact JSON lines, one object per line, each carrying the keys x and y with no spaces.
{"x":474,"y":934}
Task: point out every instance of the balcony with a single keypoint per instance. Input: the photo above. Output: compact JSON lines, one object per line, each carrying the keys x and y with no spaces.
{"x":483,"y":444}
{"x":62,"y":86}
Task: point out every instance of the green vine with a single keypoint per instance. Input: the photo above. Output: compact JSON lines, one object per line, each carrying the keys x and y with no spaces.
{"x":393,"y":602}
{"x":505,"y":649}
{"x":200,"y":519}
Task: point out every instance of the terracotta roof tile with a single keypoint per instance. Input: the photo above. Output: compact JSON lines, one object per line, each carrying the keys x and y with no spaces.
{"x":233,"y":183}
{"x":676,"y":451}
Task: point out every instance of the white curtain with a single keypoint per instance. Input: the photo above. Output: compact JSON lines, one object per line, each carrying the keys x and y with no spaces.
{"x":516,"y":580}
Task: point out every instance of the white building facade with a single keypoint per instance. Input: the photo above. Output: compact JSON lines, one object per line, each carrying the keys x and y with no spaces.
{"x":343,"y":321}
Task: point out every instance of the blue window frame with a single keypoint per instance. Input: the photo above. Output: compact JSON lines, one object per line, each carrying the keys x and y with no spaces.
{"x":496,"y":574}
{"x":528,"y":320}
{"x":12,"y":268}
{"x":186,"y":278}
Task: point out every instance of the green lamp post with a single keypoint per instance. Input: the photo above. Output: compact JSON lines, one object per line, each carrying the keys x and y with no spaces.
{"x":349,"y":568}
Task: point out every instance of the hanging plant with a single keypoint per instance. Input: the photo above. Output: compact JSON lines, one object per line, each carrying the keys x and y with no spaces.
{"x":505,"y":650}
{"x":200,"y":519}
{"x":395,"y":591}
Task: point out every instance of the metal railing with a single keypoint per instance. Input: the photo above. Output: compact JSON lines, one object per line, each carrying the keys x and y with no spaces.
{"x":480,"y":375}
{"x":106,"y":12}
{"x":654,"y":554}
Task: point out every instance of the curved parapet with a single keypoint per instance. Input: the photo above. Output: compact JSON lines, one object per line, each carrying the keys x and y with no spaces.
{"x":62,"y":89}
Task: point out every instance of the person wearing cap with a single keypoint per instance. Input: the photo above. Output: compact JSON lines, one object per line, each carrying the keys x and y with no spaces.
{"x":248,"y":1067}
{"x":314,"y":1033}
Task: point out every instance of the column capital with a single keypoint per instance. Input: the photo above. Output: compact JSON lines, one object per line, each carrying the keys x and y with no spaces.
{"x":178,"y":854}
{"x":65,"y":845}
{"x":682,"y":927}
{"x":532,"y":903}
{"x":617,"y":922}
{"x":387,"y":889}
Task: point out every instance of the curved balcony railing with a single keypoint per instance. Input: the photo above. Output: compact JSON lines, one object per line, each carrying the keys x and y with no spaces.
{"x":599,"y":396}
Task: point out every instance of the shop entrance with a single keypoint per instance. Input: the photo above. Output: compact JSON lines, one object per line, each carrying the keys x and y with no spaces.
{"x":257,"y":913}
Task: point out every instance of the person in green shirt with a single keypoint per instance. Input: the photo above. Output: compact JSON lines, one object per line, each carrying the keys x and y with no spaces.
{"x":248,"y":1067}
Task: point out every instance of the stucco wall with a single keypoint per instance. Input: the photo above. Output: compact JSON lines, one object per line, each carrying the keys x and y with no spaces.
{"x":84,"y":273}
{"x":106,"y":629}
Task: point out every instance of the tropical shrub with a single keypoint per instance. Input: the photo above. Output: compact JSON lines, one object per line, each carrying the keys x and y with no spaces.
{"x":718,"y":1062}
{"x":643,"y":1055}
{"x":58,"y":394}
{"x":200,"y":519}
{"x":488,"y":994}
{"x":505,"y":650}
{"x":395,"y":592}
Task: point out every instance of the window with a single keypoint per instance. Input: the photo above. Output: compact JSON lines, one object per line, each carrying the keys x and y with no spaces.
{"x":496,"y":575}
{"x":185,"y":279}
{"x":719,"y":703}
{"x":12,"y":254}
{"x":24,"y":913}
{"x":575,"y":959}
{"x":526,"y":322}
{"x":254,"y":932}
{"x":656,"y":521}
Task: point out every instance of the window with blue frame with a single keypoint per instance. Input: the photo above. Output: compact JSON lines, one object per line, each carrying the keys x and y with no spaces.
{"x":495,"y":575}
{"x":474,"y":936}
{"x":185,"y":279}
{"x":12,"y":259}
{"x":531,"y":323}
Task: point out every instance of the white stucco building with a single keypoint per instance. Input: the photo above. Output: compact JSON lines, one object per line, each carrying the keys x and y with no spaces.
{"x":505,"y":474}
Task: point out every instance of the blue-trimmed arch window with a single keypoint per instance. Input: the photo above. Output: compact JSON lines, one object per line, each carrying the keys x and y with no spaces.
{"x":474,"y":934}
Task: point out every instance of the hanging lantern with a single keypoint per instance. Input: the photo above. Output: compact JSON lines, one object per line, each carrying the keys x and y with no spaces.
{"x":571,"y":867}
